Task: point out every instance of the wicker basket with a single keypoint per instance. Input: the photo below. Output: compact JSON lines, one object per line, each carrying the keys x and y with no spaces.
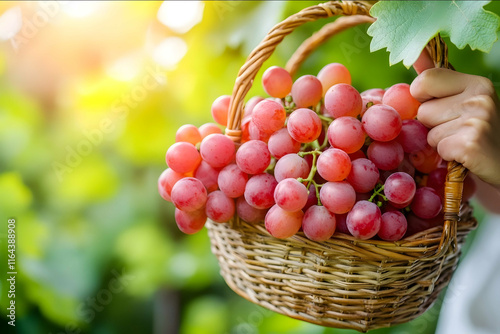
{"x":343,"y":282}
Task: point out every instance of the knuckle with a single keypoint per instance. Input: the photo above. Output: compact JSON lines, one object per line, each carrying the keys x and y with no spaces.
{"x":484,"y":86}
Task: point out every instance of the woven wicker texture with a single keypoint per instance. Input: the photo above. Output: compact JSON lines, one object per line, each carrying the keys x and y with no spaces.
{"x":343,"y":282}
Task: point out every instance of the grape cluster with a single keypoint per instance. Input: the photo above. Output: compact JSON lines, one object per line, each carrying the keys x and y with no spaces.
{"x":316,"y":155}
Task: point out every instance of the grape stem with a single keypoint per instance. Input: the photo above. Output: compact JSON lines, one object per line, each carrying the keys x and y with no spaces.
{"x":312,"y":173}
{"x":378,"y":192}
{"x":325,"y":118}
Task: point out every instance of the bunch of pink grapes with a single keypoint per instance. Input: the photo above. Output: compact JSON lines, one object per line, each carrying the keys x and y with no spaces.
{"x":316,"y":156}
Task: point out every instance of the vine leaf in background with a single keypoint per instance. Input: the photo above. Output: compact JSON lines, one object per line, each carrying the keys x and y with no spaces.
{"x":405,"y":27}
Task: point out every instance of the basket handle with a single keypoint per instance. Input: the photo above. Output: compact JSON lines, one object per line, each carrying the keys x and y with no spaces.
{"x":437,"y":50}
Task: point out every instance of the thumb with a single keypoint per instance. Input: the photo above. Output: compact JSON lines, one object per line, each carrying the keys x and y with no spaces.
{"x":423,"y":62}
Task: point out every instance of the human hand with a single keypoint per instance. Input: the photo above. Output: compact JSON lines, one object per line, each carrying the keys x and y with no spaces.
{"x":463,"y":112}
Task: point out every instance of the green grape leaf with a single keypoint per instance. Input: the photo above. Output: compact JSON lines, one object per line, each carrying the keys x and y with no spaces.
{"x":405,"y":27}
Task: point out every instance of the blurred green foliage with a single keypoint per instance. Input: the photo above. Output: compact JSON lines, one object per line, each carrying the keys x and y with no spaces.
{"x":80,"y":179}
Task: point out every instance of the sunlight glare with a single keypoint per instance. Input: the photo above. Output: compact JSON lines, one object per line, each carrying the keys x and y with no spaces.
{"x":10,"y":23}
{"x":169,"y":52}
{"x":180,"y":16}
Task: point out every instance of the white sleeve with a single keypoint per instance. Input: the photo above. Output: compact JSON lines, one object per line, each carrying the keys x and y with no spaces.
{"x":472,"y":302}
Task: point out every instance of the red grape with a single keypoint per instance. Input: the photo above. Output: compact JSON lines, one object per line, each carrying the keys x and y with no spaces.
{"x":364,"y":220}
{"x":364,"y":175}
{"x":337,"y":197}
{"x":385,"y":155}
{"x":188,"y":133}
{"x":399,"y":188}
{"x":166,"y":182}
{"x":277,"y":82}
{"x":232,"y":181}
{"x":189,"y":194}
{"x":247,"y":212}
{"x":283,"y":224}
{"x":190,"y":222}
{"x":342,"y":100}
{"x":220,"y":109}
{"x":333,"y":164}
{"x":290,"y":195}
{"x":259,"y":191}
{"x":291,"y":166}
{"x":207,"y":175}
{"x":347,"y":134}
{"x":426,"y":203}
{"x":333,"y":74}
{"x":217,"y":150}
{"x":281,"y":143}
{"x":304,"y":125}
{"x":318,"y":223}
{"x":393,"y":226}
{"x":219,"y":207}
{"x":399,"y":97}
{"x":253,"y":157}
{"x":381,"y":123}
{"x":183,"y":157}
{"x":307,"y":91}
{"x":268,"y":116}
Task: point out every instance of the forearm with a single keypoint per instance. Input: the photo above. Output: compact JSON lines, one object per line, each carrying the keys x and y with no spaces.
{"x":488,"y":195}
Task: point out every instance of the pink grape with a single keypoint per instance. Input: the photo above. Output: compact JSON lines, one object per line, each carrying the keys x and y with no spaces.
{"x":245,"y":129}
{"x":426,"y":160}
{"x":371,"y":97}
{"x":304,"y":125}
{"x":357,"y":155}
{"x":385,"y":155}
{"x":217,"y":150}
{"x":183,"y":157}
{"x":393,"y":226}
{"x":337,"y":197}
{"x":333,"y":74}
{"x":342,"y":100}
{"x":283,"y":224}
{"x":469,"y":189}
{"x":166,"y":181}
{"x":251,"y":104}
{"x":334,"y":165}
{"x":381,"y":123}
{"x":413,"y":136}
{"x":318,"y":223}
{"x":291,"y":166}
{"x":253,"y":157}
{"x":220,"y":109}
{"x":209,"y":128}
{"x":364,"y":220}
{"x":399,"y":188}
{"x":437,"y":179}
{"x":311,"y":198}
{"x":208,"y":176}
{"x":277,"y":82}
{"x":232,"y":181}
{"x":281,"y":143}
{"x":219,"y":207}
{"x":189,"y":194}
{"x":290,"y":195}
{"x":364,"y":175}
{"x":259,"y":191}
{"x":347,"y":134}
{"x":190,"y":222}
{"x":188,"y":133}
{"x":307,"y":91}
{"x":342,"y":224}
{"x":256,"y":134}
{"x":426,"y":203}
{"x":417,"y":224}
{"x":248,"y":213}
{"x":399,"y":97}
{"x":268,"y":116}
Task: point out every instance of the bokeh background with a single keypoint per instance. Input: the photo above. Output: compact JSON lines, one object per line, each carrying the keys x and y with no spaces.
{"x":91,"y":94}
